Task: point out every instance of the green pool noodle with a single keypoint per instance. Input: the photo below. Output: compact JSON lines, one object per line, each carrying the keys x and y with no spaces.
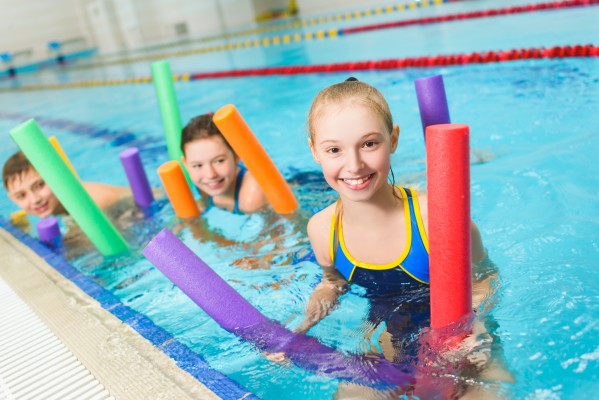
{"x":68,"y":189}
{"x":169,"y":110}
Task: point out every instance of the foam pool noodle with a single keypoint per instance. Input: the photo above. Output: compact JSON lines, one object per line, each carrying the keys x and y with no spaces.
{"x":245,"y":144}
{"x":48,"y":232}
{"x":177,"y":190}
{"x":432,"y":101}
{"x":448,"y":187}
{"x":68,"y":189}
{"x":56,"y":144}
{"x":136,"y":175}
{"x":235,"y":314}
{"x":169,"y":111}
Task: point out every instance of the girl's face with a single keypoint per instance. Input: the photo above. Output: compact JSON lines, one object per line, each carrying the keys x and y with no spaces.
{"x":30,"y":192}
{"x":353,"y":146}
{"x":212,"y":166}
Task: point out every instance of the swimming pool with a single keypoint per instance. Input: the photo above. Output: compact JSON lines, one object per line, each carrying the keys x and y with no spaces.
{"x":535,"y":196}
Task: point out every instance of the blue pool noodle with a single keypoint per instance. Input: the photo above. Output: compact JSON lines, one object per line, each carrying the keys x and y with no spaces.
{"x":235,"y":314}
{"x":432,"y":101}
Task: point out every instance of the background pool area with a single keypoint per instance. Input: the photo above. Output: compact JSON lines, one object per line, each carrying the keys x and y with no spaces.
{"x":534,"y":140}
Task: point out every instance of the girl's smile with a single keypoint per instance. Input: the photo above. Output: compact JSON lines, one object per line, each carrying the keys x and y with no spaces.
{"x":212,"y":166}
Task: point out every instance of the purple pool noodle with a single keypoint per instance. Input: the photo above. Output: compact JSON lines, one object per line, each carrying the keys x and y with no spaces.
{"x":48,"y":231}
{"x":235,"y":314}
{"x":432,"y":101}
{"x":142,"y":192}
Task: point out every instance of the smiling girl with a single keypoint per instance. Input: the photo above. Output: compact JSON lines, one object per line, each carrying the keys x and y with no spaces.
{"x":214,"y":168}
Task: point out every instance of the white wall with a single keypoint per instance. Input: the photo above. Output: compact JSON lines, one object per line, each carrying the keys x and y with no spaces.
{"x":311,"y":7}
{"x":32,"y":24}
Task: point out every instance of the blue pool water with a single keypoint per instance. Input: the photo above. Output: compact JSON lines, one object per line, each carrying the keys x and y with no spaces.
{"x":535,"y":193}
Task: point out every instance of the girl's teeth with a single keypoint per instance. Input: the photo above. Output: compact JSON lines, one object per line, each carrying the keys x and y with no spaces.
{"x":355,"y":181}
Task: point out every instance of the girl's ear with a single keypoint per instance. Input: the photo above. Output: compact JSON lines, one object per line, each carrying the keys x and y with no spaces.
{"x":313,"y":150}
{"x":394,"y":137}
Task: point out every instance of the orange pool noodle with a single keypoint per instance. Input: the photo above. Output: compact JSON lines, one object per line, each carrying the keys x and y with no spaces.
{"x":448,"y":186}
{"x":248,"y":148}
{"x":56,"y":144}
{"x":177,"y":189}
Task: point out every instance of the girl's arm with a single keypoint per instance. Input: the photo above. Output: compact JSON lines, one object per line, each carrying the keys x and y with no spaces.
{"x":324,"y":298}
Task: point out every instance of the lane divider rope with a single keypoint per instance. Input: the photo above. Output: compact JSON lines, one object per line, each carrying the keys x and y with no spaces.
{"x":482,"y":57}
{"x":334,"y":32}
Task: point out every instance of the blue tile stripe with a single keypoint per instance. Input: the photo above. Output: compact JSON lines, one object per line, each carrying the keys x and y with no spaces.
{"x":186,"y":359}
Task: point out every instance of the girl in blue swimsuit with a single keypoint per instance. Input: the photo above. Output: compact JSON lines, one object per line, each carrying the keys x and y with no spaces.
{"x":214,"y":168}
{"x":375,"y":234}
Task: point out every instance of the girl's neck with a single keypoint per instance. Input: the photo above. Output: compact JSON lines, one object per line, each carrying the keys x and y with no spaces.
{"x":375,"y":209}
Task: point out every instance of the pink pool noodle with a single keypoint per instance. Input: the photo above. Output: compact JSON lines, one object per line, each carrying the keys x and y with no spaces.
{"x":136,"y":175}
{"x":448,"y":186}
{"x":235,"y":314}
{"x":432,"y":101}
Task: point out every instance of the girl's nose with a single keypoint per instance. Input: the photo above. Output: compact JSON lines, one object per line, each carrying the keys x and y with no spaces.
{"x":211,"y":172}
{"x":355,"y":163}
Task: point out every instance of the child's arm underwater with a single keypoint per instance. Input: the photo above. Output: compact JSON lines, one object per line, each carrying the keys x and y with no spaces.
{"x":327,"y":292}
{"x":324,"y":298}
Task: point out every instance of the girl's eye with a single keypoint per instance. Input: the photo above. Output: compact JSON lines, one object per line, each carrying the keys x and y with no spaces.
{"x":369,"y":143}
{"x":220,"y":161}
{"x":197,"y":166}
{"x":333,"y":150}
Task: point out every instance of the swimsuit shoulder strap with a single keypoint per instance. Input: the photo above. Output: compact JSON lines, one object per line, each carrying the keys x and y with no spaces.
{"x":240,"y":175}
{"x":334,"y":235}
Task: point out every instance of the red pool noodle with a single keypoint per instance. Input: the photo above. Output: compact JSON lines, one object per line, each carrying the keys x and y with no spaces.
{"x":448,"y":186}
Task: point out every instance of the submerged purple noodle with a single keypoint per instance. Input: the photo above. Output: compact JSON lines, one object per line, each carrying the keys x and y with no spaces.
{"x":231,"y":311}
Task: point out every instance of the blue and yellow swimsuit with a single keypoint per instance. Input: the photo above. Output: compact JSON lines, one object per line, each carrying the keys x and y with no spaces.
{"x":409,"y":268}
{"x":398,"y":291}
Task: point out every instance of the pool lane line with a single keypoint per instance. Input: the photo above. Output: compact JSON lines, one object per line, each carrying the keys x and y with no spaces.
{"x":473,"y":15}
{"x":335,"y":33}
{"x":185,"y":358}
{"x":480,"y":57}
{"x":298,"y":23}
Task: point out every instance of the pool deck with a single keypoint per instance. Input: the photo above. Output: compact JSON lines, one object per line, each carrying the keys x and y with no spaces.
{"x":123,"y":362}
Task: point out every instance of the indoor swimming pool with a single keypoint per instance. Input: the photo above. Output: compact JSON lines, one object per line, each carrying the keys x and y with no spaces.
{"x":534,"y":137}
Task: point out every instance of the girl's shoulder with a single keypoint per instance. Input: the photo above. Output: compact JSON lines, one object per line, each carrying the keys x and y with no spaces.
{"x":319,"y":231}
{"x":251,"y":197}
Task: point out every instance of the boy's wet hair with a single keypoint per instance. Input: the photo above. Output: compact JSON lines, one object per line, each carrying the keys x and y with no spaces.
{"x":349,"y":91}
{"x":201,"y":127}
{"x":15,"y":166}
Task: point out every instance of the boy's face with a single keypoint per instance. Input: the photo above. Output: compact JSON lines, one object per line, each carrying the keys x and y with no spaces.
{"x":212,"y":166}
{"x":29,"y":191}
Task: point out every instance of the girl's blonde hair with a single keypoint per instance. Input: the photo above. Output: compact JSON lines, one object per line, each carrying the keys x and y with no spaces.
{"x":350,"y":91}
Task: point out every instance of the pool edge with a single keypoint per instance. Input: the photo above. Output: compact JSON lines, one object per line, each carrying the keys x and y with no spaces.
{"x":123,"y":349}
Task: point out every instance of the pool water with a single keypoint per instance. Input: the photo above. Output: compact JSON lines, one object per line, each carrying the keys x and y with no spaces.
{"x":534,"y":134}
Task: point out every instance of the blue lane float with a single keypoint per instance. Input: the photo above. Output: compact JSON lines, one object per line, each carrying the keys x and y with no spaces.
{"x":235,"y":314}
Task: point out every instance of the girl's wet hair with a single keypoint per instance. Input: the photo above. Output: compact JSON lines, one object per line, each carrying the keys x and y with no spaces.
{"x":201,"y":127}
{"x":349,"y":91}
{"x":15,"y":166}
